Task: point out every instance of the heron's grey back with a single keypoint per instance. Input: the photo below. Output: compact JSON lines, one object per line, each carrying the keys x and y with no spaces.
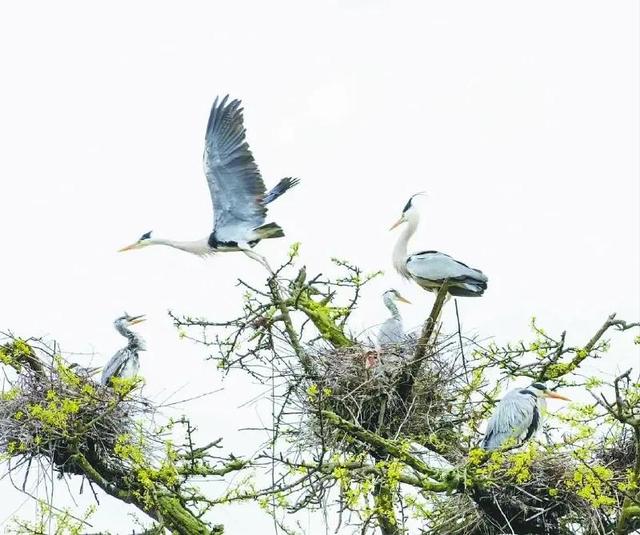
{"x":124,"y":363}
{"x":437,"y":266}
{"x":391,"y":332}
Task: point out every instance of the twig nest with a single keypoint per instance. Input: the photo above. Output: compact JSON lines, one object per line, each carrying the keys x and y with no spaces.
{"x":56,"y":410}
{"x":360,"y":384}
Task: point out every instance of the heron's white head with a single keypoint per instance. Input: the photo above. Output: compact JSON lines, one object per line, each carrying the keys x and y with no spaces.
{"x":394,"y":295}
{"x":542,"y":391}
{"x":143,"y":241}
{"x":409,"y":212}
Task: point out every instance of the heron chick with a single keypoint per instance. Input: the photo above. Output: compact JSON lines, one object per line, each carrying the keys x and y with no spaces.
{"x":518,"y":415}
{"x":432,"y":269}
{"x":392,"y":330}
{"x":125,"y":363}
{"x":238,"y":194}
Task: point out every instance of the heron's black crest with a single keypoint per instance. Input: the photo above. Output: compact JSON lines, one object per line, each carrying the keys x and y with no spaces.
{"x":146,"y":236}
{"x":540,"y":386}
{"x":409,"y":205}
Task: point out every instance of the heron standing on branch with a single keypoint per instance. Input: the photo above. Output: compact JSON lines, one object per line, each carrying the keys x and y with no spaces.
{"x":432,"y":269}
{"x":125,"y":363}
{"x":518,"y":415}
{"x":392,"y":330}
{"x":237,"y":191}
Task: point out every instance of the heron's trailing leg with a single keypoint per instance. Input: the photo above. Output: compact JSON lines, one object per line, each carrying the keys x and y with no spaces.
{"x":258,"y":258}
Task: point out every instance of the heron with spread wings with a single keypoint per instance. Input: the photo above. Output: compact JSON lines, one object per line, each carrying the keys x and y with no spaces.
{"x":125,"y":363}
{"x":237,"y":191}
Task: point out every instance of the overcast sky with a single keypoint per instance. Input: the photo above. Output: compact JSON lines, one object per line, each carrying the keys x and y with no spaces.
{"x":520,"y":120}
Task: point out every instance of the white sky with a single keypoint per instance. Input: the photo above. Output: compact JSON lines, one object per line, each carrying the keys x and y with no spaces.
{"x":520,"y":120}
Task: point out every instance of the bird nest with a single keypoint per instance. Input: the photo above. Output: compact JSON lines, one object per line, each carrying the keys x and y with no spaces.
{"x":536,"y":496}
{"x":55,"y":411}
{"x":363,"y":384}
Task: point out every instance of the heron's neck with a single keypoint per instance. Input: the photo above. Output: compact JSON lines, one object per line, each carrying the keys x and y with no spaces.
{"x":400,"y":249}
{"x":391,"y":306}
{"x":197,"y":247}
{"x":136,"y":342}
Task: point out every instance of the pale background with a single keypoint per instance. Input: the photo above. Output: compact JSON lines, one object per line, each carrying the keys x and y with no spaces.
{"x":520,"y":120}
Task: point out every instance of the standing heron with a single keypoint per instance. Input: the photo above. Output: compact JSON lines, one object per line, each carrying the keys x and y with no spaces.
{"x":432,"y":269}
{"x":237,"y":191}
{"x":125,"y":363}
{"x":392,"y":331}
{"x":518,"y":415}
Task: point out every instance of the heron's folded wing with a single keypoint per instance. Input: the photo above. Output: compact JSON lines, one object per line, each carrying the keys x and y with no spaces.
{"x":235,"y":184}
{"x":512,"y":417}
{"x":437,"y":266}
{"x":113,"y":367}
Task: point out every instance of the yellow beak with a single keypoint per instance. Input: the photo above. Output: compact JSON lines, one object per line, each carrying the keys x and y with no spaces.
{"x":399,"y":222}
{"x":129,"y":247}
{"x":137,"y":319}
{"x":403,"y":300}
{"x":555,"y":395}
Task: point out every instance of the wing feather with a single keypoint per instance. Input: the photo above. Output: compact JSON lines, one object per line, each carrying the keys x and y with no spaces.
{"x":236,"y":187}
{"x":437,"y":267}
{"x":512,"y":418}
{"x":114,"y":366}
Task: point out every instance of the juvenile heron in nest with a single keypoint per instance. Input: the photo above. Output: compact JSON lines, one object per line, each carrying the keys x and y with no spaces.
{"x":125,"y":363}
{"x":237,"y":191}
{"x":392,"y":330}
{"x":432,"y":269}
{"x":518,"y":415}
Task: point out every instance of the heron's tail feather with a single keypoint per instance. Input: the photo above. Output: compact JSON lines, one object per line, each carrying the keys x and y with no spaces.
{"x":468,"y":289}
{"x":279,"y":189}
{"x":270,"y":230}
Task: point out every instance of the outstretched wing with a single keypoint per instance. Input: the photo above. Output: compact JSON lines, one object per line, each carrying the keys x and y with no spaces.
{"x":236,"y":187}
{"x":513,"y":417}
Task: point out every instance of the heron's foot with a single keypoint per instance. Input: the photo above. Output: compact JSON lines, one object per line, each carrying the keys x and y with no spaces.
{"x":260,"y":259}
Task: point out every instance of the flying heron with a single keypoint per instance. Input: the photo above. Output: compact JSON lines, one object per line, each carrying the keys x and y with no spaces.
{"x":432,"y":269}
{"x":237,"y":191}
{"x":392,"y":331}
{"x":125,"y":363}
{"x":518,"y":415}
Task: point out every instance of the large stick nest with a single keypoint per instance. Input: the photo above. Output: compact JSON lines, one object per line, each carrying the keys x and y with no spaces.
{"x":52,"y":410}
{"x":362,"y":385}
{"x":545,"y":501}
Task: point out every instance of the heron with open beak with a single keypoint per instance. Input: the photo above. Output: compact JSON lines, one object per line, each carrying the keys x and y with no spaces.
{"x":125,"y":363}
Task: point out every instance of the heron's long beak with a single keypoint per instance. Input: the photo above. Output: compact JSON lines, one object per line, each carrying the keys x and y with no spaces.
{"x":403,"y":300}
{"x":555,"y":395}
{"x":129,"y":247}
{"x":137,"y":319}
{"x":399,"y":222}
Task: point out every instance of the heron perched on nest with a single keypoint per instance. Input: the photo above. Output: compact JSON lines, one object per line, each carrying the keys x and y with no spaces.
{"x":125,"y":363}
{"x":432,"y":269}
{"x":237,"y":191}
{"x":518,"y":415}
{"x":392,"y":330}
